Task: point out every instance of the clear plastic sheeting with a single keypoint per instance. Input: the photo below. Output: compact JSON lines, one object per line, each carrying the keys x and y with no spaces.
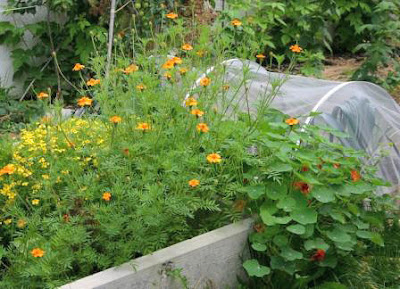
{"x":362,"y":110}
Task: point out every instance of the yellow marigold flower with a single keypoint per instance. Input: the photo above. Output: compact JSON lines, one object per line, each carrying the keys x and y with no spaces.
{"x":194,"y":183}
{"x":169,"y":64}
{"x":260,"y":56}
{"x":172,"y":15}
{"x":201,"y":53}
{"x":141,"y":87}
{"x":292,"y":121}
{"x":37,"y":253}
{"x":8,"y":221}
{"x":78,"y":67}
{"x":46,"y":119}
{"x":85,"y":101}
{"x":35,"y":202}
{"x":183,"y":71}
{"x":226,"y":87}
{"x":143,"y":126}
{"x":93,"y":82}
{"x":202,"y":127}
{"x":197,"y":112}
{"x":42,"y":95}
{"x":168,"y":75}
{"x":8,"y":169}
{"x":191,"y":101}
{"x":106,"y":196}
{"x":21,"y":223}
{"x":46,"y":177}
{"x":296,"y":48}
{"x":236,"y":22}
{"x":214,"y":158}
{"x":115,"y":119}
{"x":65,"y":172}
{"x":187,"y":47}
{"x":205,"y":81}
{"x":131,"y":68}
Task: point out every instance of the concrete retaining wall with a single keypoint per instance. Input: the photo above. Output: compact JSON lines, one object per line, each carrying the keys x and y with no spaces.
{"x":212,"y":260}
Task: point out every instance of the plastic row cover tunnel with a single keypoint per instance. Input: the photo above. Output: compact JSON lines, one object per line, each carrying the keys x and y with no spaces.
{"x":362,"y":110}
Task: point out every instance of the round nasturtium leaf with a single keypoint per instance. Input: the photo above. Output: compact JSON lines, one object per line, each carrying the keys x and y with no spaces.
{"x":290,"y":254}
{"x":323,"y":194}
{"x":253,"y":268}
{"x":255,"y":192}
{"x":305,"y":216}
{"x":281,"y":240}
{"x":287,"y":204}
{"x":338,"y":236}
{"x":318,"y":243}
{"x":259,"y":247}
{"x":296,"y":229}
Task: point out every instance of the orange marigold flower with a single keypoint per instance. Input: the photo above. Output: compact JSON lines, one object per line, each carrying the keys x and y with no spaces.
{"x":37,"y":253}
{"x":168,"y":75}
{"x":183,"y":71}
{"x":191,"y":101}
{"x":177,"y":60}
{"x":172,"y":15}
{"x":194,"y":183}
{"x":236,"y":22}
{"x":202,"y":127}
{"x":131,"y":68}
{"x":85,"y":101}
{"x":260,"y":56}
{"x":169,"y":64}
{"x":318,"y":256}
{"x":292,"y":121}
{"x":303,"y":187}
{"x":21,"y":223}
{"x":7,"y":170}
{"x":197,"y":112}
{"x":106,"y":196}
{"x":143,"y":126}
{"x":214,"y":158}
{"x":205,"y":81}
{"x":226,"y":87}
{"x":187,"y":47}
{"x":355,"y":176}
{"x":42,"y":95}
{"x":296,"y":48}
{"x":93,"y":82}
{"x":141,"y":87}
{"x":78,"y":67}
{"x":35,"y":202}
{"x":115,"y":119}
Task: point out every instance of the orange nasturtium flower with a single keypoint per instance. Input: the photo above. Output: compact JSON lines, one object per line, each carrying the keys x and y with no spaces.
{"x":183,"y":71}
{"x":42,"y":95}
{"x":171,"y":15}
{"x":202,"y":127}
{"x":197,"y":112}
{"x":106,"y":196}
{"x":35,"y":202}
{"x":37,"y":253}
{"x":236,"y":22}
{"x":194,"y":183}
{"x":205,"y":81}
{"x":78,"y":67}
{"x":296,"y":48}
{"x":292,"y":121}
{"x":84,"y":100}
{"x":187,"y":47}
{"x":355,"y":176}
{"x":260,"y":56}
{"x":143,"y":126}
{"x":214,"y":158}
{"x":303,"y":187}
{"x":93,"y":82}
{"x":141,"y":87}
{"x":7,"y":170}
{"x":115,"y":119}
{"x":191,"y":101}
{"x":131,"y":68}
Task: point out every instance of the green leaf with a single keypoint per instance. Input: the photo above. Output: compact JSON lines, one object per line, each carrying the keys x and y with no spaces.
{"x":266,"y":217}
{"x":332,"y":285}
{"x":282,"y":220}
{"x":253,"y":268}
{"x":323,"y":194}
{"x":377,"y":239}
{"x":259,"y":247}
{"x":287,"y":204}
{"x":290,"y":254}
{"x":255,"y":192}
{"x":276,"y":192}
{"x":329,"y":261}
{"x":281,"y":240}
{"x":338,"y":235}
{"x":364,"y":234}
{"x":280,"y":167}
{"x":305,"y":216}
{"x":318,"y":243}
{"x":296,"y":229}
{"x":278,"y":263}
{"x":338,"y":216}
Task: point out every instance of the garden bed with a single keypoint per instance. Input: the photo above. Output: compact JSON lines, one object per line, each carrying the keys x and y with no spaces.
{"x":211,"y":260}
